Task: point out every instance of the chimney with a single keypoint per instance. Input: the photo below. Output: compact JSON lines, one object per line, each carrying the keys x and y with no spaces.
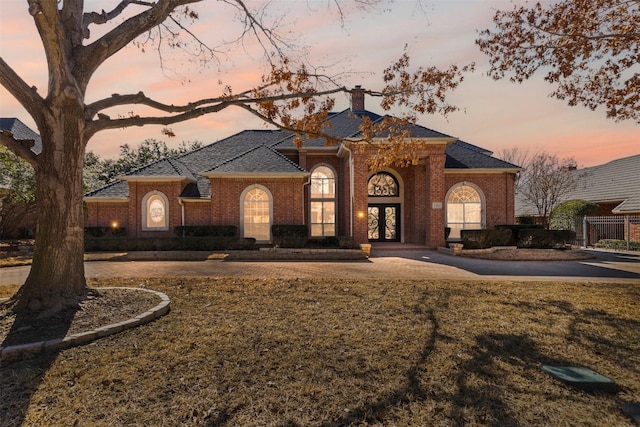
{"x":357,"y":98}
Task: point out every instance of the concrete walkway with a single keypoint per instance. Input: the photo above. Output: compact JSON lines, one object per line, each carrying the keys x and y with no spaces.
{"x":385,"y":263}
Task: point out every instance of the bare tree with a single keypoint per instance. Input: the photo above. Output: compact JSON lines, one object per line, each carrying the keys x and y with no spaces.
{"x":547,"y":181}
{"x":289,"y":96}
{"x":517,"y":156}
{"x":589,"y":50}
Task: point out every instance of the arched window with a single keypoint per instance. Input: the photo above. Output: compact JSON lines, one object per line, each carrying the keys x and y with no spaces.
{"x":256,"y":213}
{"x":155,"y":215}
{"x":383,"y":184}
{"x":464,"y":209}
{"x":323,"y":202}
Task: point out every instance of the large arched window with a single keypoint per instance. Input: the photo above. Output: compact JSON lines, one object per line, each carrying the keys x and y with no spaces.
{"x":155,"y":215}
{"x":256,"y":211}
{"x":464,"y":209}
{"x":323,"y":202}
{"x":383,"y":184}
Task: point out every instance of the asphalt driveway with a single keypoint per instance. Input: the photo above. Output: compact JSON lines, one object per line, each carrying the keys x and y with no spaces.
{"x":384,"y":264}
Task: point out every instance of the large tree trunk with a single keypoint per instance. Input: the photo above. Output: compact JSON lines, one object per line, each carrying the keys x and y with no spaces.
{"x":57,"y":277}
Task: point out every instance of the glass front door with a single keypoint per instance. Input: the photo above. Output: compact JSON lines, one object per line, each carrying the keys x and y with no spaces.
{"x":384,"y":223}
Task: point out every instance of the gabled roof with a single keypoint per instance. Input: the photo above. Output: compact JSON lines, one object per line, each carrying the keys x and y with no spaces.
{"x":115,"y":190}
{"x":259,"y":160}
{"x":462,"y":155}
{"x":165,"y":168}
{"x":21,"y":131}
{"x":615,"y":182}
{"x":258,"y":152}
{"x":346,"y":125}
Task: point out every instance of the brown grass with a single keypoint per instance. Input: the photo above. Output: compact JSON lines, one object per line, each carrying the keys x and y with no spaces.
{"x":275,"y":352}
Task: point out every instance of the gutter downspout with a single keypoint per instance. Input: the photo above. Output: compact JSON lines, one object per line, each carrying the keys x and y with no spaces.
{"x":181,"y":203}
{"x":351,"y":186}
{"x":304,"y":205}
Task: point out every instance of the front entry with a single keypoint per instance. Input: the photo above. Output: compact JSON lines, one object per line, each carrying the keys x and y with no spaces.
{"x":384,"y":222}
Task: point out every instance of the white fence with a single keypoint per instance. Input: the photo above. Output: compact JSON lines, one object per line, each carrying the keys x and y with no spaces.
{"x":595,"y":228}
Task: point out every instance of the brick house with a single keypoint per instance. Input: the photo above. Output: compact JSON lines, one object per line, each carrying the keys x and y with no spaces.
{"x":258,"y":178}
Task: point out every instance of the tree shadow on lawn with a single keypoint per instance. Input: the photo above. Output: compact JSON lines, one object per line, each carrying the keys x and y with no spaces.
{"x":20,"y":379}
{"x":491,"y":373}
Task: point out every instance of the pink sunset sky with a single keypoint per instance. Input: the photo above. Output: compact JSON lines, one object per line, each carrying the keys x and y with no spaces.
{"x":494,"y":115}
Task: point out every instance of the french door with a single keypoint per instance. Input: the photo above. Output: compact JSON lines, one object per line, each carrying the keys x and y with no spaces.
{"x":384,"y":222}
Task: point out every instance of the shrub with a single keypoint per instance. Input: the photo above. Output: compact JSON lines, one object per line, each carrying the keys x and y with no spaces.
{"x":289,"y":235}
{"x":105,"y":231}
{"x":112,"y":244}
{"x":346,"y":242}
{"x":617,"y":244}
{"x":566,"y":216}
{"x":206,"y":231}
{"x":481,"y":239}
{"x":545,"y":239}
{"x":515,"y":230}
{"x":526,"y":220}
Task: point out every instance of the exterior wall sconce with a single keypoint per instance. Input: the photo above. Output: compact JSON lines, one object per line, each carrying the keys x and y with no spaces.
{"x":360,"y":214}
{"x":114,"y":225}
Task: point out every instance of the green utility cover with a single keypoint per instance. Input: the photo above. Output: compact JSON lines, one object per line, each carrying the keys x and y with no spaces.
{"x":581,"y":378}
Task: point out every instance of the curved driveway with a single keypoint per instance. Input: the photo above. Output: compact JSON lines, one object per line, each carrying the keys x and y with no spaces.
{"x":385,"y":264}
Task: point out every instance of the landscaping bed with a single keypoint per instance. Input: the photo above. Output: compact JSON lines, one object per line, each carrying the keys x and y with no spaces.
{"x":521,"y":254}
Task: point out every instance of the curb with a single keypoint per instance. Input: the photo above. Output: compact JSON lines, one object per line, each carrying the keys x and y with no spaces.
{"x":17,"y":352}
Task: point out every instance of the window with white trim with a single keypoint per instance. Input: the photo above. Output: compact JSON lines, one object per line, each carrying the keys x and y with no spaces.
{"x":464,"y":209}
{"x":323,"y":202}
{"x":256,"y":213}
{"x":155,"y":212}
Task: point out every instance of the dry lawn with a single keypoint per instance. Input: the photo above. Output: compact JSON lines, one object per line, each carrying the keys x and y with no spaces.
{"x":269,"y":352}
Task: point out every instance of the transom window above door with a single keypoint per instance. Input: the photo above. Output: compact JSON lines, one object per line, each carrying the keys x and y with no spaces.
{"x":383,"y":184}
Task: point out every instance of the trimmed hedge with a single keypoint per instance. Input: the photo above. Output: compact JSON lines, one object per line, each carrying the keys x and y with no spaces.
{"x":482,"y":239}
{"x":515,"y":230}
{"x":113,"y":244}
{"x":339,"y":242}
{"x":105,"y":231}
{"x":545,"y":239}
{"x":206,"y":231}
{"x":289,"y":235}
{"x":617,"y":244}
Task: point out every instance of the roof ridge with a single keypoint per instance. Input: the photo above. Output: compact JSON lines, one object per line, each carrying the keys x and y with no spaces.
{"x":236,"y":157}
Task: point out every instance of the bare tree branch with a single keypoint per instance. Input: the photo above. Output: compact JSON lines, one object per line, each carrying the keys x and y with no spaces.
{"x":26,"y":95}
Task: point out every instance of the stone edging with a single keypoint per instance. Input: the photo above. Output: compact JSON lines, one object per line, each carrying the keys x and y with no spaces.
{"x":17,"y":352}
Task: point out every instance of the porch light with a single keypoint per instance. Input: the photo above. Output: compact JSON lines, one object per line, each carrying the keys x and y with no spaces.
{"x":360,"y":214}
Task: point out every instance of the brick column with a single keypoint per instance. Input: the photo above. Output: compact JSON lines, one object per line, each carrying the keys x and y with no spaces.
{"x":360,"y":197}
{"x":435,"y":200}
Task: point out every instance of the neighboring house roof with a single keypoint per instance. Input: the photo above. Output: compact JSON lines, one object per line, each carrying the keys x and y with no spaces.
{"x":615,"y":182}
{"x":258,"y":152}
{"x":21,"y":131}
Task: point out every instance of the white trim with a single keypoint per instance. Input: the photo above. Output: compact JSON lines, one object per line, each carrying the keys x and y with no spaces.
{"x":242,"y":197}
{"x":483,"y":202}
{"x":158,"y":178}
{"x":255,"y":175}
{"x":333,"y":199}
{"x":105,"y":199}
{"x":145,"y":210}
{"x":480,"y":170}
